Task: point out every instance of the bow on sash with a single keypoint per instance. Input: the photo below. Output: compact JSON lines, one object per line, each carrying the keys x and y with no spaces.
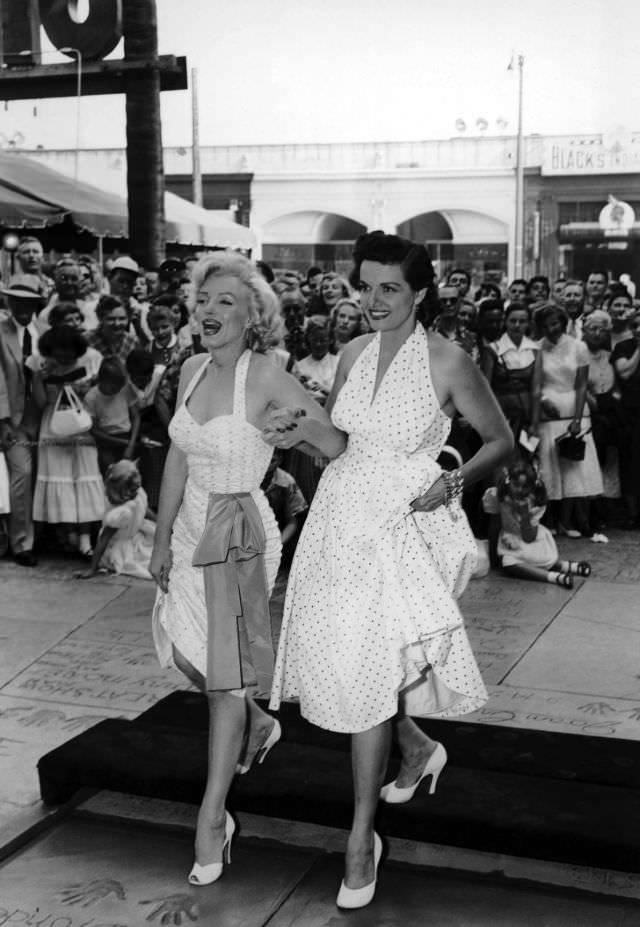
{"x":231,"y":553}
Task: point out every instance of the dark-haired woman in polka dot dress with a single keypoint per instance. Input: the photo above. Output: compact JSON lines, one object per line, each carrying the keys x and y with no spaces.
{"x":371,"y":628}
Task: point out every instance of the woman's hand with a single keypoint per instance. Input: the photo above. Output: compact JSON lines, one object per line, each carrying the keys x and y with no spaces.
{"x":160,"y":565}
{"x":575,"y":428}
{"x":432,"y":499}
{"x":282,"y":428}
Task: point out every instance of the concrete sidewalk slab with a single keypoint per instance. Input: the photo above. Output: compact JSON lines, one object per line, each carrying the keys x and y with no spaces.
{"x":575,"y":655}
{"x":90,"y":872}
{"x":124,"y":620}
{"x":30,"y":728}
{"x":65,"y":601}
{"x":405,"y":895}
{"x":22,"y":642}
{"x":548,"y":710}
{"x":613,"y":604}
{"x":95,"y":675}
{"x":504,"y":617}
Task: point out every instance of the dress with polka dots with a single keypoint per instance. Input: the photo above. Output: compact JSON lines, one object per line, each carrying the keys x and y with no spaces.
{"x":370,"y":618}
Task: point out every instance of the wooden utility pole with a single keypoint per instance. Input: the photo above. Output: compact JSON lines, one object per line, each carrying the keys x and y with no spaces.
{"x":145,"y":170}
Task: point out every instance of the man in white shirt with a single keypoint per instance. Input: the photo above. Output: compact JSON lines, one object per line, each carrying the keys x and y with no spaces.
{"x":572,"y":299}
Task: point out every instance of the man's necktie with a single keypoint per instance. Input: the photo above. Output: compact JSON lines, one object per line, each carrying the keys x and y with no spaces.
{"x":26,"y":352}
{"x":27,"y":345}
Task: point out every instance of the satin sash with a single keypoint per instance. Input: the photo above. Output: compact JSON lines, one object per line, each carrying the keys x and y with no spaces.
{"x":231,"y":553}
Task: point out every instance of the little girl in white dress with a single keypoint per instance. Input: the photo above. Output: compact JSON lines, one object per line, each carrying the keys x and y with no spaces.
{"x":526,"y":548}
{"x":126,"y":537}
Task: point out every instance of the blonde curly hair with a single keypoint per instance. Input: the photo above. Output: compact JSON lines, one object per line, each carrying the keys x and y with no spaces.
{"x":266,"y":325}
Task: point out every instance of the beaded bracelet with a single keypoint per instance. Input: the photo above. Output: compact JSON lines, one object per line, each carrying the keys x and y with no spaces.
{"x":453,"y":486}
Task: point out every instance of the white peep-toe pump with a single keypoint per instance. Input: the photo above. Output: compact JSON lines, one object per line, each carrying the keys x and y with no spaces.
{"x":205,"y":875}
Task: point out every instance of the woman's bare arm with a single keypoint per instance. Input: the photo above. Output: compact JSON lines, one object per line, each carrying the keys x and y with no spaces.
{"x":311,"y":432}
{"x":460,"y":386}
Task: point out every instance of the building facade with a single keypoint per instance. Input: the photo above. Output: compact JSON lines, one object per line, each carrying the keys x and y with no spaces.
{"x":307,"y":203}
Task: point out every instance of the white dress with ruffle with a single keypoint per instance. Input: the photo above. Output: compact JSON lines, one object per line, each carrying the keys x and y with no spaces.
{"x":130,"y":548}
{"x":224,"y":455}
{"x":370,"y":615}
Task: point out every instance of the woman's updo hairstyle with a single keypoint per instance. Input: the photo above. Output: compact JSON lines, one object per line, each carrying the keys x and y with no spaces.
{"x":413,"y":260}
{"x":265,"y":321}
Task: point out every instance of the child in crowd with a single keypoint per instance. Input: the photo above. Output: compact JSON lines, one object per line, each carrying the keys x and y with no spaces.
{"x":524,"y":547}
{"x":288,"y":504}
{"x":161,"y":322}
{"x":113,"y":406}
{"x":144,"y":377}
{"x":125,"y":541}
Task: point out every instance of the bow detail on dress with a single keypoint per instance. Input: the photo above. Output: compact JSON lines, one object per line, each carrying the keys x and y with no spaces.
{"x":230,"y":551}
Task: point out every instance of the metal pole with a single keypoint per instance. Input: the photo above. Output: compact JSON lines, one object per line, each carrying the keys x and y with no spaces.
{"x":195,"y":140}
{"x":519,"y":223}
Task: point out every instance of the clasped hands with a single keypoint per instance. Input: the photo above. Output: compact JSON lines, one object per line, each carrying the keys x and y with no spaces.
{"x":284,"y":428}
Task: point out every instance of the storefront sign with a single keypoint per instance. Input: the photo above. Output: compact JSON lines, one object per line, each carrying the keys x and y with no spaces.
{"x":573,"y":156}
{"x":616,"y":218}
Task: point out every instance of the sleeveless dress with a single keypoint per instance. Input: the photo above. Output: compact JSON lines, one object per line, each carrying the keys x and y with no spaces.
{"x":566,"y":479}
{"x":225,"y":455}
{"x":370,"y":613}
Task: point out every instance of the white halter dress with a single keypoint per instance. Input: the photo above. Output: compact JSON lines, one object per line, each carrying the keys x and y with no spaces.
{"x":224,"y":455}
{"x":370,"y":616}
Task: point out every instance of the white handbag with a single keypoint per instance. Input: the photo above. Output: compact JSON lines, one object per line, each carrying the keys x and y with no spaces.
{"x":69,"y":415}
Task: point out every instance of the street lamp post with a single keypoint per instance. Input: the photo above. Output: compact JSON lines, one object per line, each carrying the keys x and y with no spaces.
{"x":519,"y":217}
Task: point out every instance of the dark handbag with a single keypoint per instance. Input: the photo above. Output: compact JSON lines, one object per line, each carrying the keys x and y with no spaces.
{"x":571,"y":447}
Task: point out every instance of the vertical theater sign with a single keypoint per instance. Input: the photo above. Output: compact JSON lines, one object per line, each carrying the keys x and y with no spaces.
{"x":86,"y":36}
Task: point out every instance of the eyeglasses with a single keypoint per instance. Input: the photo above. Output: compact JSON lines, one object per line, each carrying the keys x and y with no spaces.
{"x":449,"y":301}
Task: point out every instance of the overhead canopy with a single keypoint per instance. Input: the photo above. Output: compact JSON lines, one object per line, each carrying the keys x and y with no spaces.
{"x":32,"y":194}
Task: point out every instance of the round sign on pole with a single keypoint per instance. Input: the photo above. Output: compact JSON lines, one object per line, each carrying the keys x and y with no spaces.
{"x":616,"y":218}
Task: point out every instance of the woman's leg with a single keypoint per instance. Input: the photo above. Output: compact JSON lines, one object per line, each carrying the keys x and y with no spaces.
{"x":227,"y":723}
{"x":227,"y":720}
{"x":369,"y":756}
{"x":260,"y":725}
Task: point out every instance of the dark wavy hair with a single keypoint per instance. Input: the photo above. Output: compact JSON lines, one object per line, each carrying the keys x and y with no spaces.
{"x":62,"y":338}
{"x":536,"y":487}
{"x":413,"y":260}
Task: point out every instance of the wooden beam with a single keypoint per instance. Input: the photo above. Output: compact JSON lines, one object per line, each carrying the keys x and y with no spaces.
{"x":37,"y":82}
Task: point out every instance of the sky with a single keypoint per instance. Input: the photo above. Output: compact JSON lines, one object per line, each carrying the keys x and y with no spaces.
{"x":305,"y":71}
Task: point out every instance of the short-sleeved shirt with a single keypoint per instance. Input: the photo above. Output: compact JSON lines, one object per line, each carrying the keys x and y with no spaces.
{"x":285,"y":497}
{"x":111,"y":413}
{"x":629,"y":389}
{"x":129,"y":342}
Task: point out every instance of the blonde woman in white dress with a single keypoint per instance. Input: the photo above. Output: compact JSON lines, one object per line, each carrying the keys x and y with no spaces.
{"x":215,"y":530}
{"x":371,"y":630}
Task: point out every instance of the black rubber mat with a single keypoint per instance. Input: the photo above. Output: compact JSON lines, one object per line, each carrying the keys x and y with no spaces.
{"x":548,"y":796}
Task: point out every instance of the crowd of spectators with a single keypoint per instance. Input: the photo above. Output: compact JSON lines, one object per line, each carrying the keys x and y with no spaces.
{"x":562,"y":359}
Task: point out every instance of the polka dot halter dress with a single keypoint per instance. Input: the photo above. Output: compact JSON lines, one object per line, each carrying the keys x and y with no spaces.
{"x":370,"y":618}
